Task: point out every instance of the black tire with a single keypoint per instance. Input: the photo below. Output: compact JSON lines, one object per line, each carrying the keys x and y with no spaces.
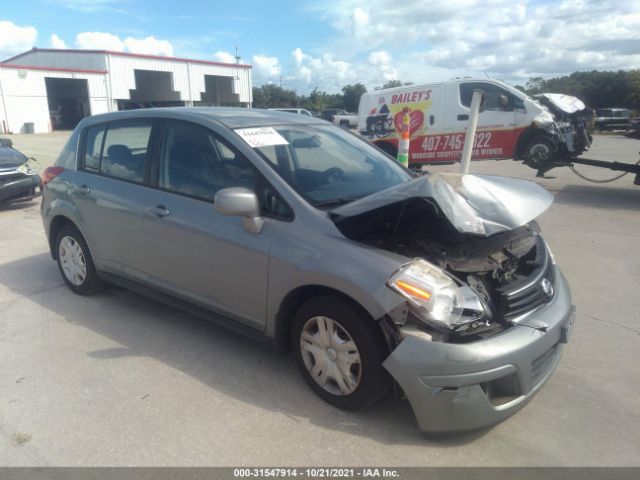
{"x":540,"y":152}
{"x":344,"y":124}
{"x":374,"y":380}
{"x":91,"y":283}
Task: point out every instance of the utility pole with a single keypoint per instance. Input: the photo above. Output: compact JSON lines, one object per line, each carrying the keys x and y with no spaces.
{"x":237,"y":57}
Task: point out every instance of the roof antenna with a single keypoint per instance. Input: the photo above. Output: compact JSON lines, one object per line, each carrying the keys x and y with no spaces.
{"x":237,"y":57}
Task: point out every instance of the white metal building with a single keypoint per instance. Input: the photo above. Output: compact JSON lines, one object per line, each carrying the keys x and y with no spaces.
{"x":44,"y":89}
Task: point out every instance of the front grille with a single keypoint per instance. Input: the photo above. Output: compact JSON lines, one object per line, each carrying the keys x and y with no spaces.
{"x":527,"y":293}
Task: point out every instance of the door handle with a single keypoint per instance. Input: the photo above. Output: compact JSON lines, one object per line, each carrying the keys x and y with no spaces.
{"x":83,"y":190}
{"x":464,"y":116}
{"x":432,"y":119}
{"x":159,"y":211}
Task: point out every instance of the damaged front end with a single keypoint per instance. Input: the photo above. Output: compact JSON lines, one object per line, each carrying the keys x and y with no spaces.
{"x":473,"y":241}
{"x":486,"y":309}
{"x":18,"y":178}
{"x":568,"y":120}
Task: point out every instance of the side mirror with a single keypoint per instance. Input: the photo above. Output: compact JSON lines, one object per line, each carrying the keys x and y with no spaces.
{"x":240,"y":202}
{"x":503,"y":101}
{"x":6,"y":142}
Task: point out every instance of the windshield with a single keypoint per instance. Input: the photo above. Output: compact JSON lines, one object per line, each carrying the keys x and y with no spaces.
{"x":10,"y":158}
{"x":329,"y":166}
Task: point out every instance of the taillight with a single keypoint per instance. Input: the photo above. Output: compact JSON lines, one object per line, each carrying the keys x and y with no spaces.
{"x":50,"y":173}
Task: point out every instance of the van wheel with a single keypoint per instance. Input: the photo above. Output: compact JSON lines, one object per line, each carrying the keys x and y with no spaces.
{"x":540,"y":152}
{"x":340,"y":351}
{"x":75,"y":262}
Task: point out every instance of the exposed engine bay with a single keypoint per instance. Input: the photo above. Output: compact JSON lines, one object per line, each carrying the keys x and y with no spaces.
{"x":494,"y":266}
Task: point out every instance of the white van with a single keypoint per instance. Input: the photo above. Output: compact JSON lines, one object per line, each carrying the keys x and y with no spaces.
{"x":299,"y":111}
{"x":512,"y":125}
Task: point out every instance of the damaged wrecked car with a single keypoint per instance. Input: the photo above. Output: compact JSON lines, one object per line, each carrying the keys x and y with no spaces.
{"x":19,"y":180}
{"x":438,"y":288}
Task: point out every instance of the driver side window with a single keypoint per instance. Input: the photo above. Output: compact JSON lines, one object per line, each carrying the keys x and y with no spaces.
{"x":492,"y":93}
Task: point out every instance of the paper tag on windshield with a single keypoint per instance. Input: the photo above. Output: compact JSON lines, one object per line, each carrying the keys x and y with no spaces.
{"x":261,"y":137}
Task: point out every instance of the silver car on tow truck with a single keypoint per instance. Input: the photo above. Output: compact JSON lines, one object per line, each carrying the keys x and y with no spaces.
{"x":436,"y":287}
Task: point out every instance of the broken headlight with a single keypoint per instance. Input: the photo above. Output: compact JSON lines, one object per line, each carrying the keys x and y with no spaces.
{"x":437,"y":299}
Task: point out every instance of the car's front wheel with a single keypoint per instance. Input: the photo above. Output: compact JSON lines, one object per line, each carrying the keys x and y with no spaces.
{"x":340,"y":351}
{"x":540,"y":152}
{"x":75,"y":262}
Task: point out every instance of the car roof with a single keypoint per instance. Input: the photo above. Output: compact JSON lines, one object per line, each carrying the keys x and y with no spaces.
{"x":231,"y":117}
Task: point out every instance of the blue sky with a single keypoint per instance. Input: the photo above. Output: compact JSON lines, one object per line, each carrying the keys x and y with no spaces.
{"x":331,"y":43}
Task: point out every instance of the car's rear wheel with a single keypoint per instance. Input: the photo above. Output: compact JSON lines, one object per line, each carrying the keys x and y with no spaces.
{"x":75,"y":262}
{"x":340,"y":351}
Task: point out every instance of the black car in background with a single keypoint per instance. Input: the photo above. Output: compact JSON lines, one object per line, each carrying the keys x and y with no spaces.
{"x":18,"y":180}
{"x":612,"y":118}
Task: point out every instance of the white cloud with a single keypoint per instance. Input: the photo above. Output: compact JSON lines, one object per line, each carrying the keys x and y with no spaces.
{"x":323,"y":71}
{"x":224,"y":57}
{"x":149,"y":46}
{"x":99,"y":41}
{"x":382,"y":62}
{"x":502,"y":37}
{"x":15,"y":39}
{"x":56,"y":42}
{"x":266,"y":67}
{"x":107,"y":41}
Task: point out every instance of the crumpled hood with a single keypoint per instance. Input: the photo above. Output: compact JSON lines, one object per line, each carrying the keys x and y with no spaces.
{"x":566,"y":103}
{"x":475,"y":204}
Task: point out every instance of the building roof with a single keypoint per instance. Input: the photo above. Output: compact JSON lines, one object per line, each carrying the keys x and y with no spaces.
{"x":126,"y":54}
{"x":51,"y":69}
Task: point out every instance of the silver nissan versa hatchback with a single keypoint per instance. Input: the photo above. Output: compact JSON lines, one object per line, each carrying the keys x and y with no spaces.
{"x":288,"y":228}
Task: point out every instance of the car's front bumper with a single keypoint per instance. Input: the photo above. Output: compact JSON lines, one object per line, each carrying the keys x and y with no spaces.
{"x":18,"y":188}
{"x":455,"y":387}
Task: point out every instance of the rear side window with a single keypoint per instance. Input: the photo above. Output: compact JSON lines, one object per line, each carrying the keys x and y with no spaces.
{"x":119,"y":150}
{"x":125,"y":150}
{"x":196,"y":163}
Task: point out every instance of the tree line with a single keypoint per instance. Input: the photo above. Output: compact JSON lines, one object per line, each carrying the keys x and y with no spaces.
{"x":597,"y":89}
{"x":274,"y":96}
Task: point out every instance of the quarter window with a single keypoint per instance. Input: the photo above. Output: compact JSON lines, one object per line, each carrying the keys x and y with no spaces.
{"x":195,"y":162}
